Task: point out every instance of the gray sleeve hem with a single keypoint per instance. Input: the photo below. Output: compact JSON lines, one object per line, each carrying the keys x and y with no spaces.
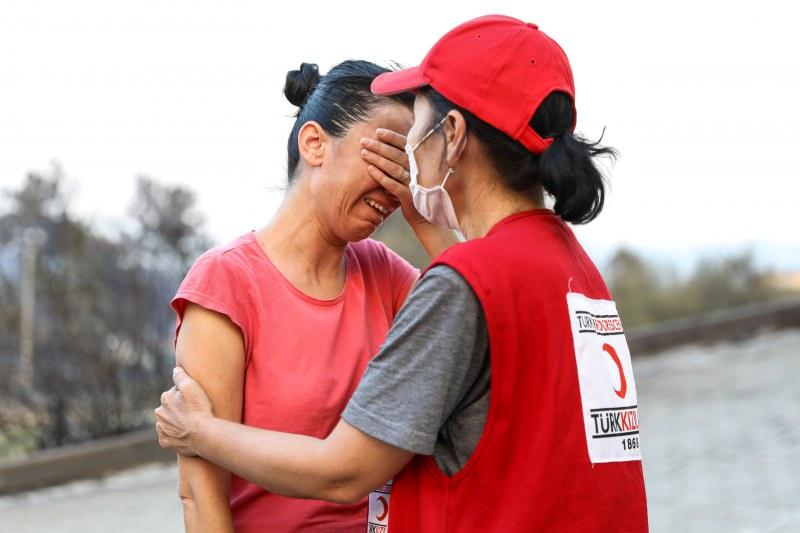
{"x":384,"y":430}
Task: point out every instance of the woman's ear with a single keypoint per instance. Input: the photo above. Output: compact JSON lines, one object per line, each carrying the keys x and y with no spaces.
{"x":455,"y":132}
{"x":311,"y":142}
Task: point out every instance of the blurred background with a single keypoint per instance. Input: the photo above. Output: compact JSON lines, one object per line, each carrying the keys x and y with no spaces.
{"x":136,"y":135}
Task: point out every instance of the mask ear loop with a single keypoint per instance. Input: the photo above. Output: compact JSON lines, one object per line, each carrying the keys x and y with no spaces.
{"x":450,"y":170}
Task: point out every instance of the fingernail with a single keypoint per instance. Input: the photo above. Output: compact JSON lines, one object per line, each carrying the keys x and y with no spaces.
{"x":174,"y":371}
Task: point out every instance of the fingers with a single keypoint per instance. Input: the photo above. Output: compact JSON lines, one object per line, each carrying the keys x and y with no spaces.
{"x":164,"y":437}
{"x":167,"y":426}
{"x":167,"y":442}
{"x":168,"y":395}
{"x":392,"y":185}
{"x":162,"y":419}
{"x":392,"y":153}
{"x":390,"y":159}
{"x":389,"y":168}
{"x":398,"y":140}
{"x":170,"y":435}
{"x":181,"y":378}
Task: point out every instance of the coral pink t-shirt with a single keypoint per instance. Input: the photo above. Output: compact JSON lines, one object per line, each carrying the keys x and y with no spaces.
{"x":304,"y":357}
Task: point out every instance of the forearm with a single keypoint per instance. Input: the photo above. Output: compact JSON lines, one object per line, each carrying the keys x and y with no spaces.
{"x":200,"y":516}
{"x":204,"y":496}
{"x":297,"y":466}
{"x":434,"y":239}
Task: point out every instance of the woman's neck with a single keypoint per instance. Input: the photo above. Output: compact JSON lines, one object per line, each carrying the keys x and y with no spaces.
{"x":488,"y":202}
{"x":302,"y":249}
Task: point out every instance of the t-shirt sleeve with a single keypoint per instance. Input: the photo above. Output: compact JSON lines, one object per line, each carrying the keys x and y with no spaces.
{"x":426,"y":366}
{"x":215,"y":283}
{"x":403,"y":276}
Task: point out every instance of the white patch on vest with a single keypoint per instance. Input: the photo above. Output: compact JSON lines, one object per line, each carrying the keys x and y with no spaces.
{"x":605,"y":375}
{"x":378,"y":514}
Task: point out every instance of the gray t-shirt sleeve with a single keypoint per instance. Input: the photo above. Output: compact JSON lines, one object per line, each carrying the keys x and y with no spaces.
{"x":432,"y":357}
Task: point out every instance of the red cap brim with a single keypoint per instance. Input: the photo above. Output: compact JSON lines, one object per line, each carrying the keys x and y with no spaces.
{"x":398,"y":82}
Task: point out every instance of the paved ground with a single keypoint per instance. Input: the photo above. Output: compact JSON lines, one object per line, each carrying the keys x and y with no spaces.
{"x":720,"y":437}
{"x":141,"y":500}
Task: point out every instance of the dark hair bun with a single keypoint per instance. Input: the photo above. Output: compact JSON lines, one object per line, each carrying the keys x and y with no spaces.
{"x":301,"y":83}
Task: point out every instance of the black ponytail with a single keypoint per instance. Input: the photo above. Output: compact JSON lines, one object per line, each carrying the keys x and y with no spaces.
{"x":568,"y":173}
{"x":566,"y":170}
{"x":336,"y":101}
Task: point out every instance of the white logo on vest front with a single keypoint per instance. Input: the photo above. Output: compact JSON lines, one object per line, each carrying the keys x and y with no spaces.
{"x":378,"y":512}
{"x":605,"y":377}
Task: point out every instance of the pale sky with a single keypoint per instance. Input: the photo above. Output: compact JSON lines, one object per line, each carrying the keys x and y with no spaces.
{"x":701,"y":99}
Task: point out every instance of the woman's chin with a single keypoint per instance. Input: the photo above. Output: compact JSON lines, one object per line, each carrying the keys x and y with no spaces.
{"x":364,"y":229}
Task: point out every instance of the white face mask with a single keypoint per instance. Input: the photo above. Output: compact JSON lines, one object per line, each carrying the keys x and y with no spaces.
{"x":434,"y":204}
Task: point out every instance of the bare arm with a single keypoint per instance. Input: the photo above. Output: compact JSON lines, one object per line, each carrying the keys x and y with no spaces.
{"x":433,"y":238}
{"x":211,"y":347}
{"x":342,"y":468}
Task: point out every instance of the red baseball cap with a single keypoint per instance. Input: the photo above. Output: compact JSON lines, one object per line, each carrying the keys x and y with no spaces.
{"x":496,"y":67}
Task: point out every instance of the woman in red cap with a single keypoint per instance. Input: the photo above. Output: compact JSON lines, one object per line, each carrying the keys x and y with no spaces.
{"x":503,"y":398}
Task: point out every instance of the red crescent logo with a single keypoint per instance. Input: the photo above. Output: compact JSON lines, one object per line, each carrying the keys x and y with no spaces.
{"x":623,"y":385}
{"x":382,"y":516}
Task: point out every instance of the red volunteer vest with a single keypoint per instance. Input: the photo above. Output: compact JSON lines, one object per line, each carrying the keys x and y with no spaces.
{"x":560,"y":449}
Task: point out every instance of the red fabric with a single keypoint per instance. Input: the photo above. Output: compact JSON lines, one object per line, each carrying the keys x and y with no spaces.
{"x":531,"y":468}
{"x":305,"y":357}
{"x":499,"y":68}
